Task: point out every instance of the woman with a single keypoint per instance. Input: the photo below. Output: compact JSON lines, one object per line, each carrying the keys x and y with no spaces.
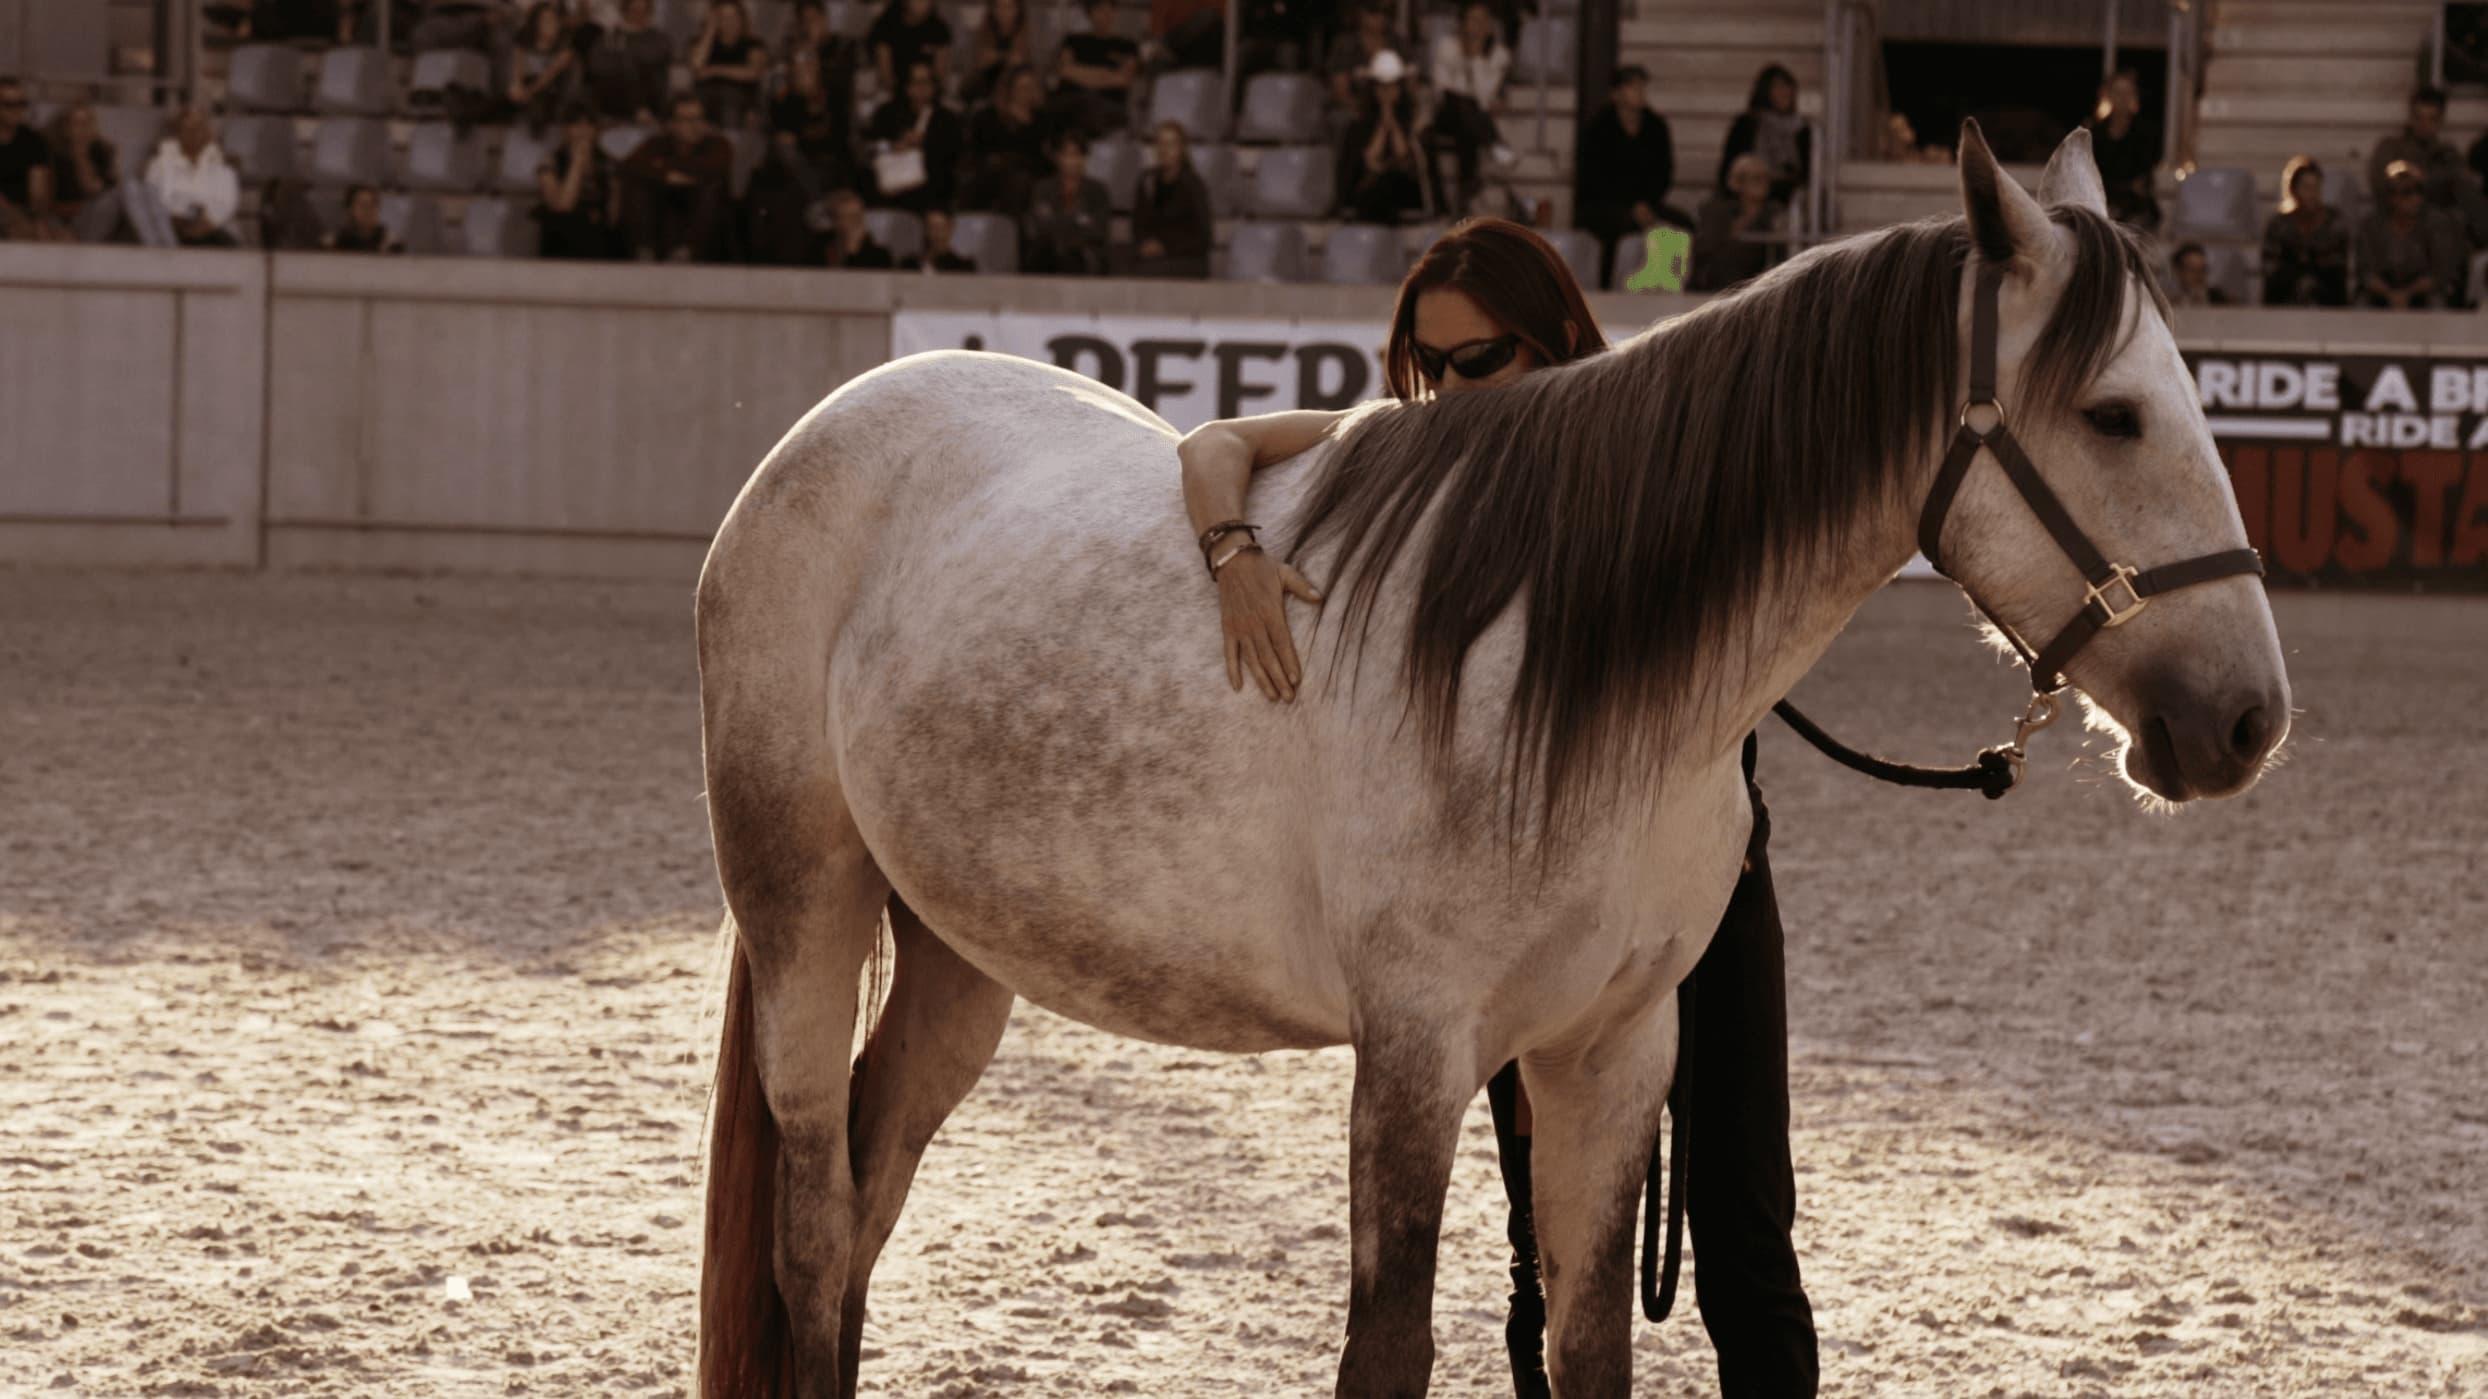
{"x":1378,"y":158}
{"x":1770,"y":128}
{"x":1468,"y":68}
{"x":362,"y":231}
{"x":916,"y":142}
{"x":544,"y":68}
{"x":808,"y":129}
{"x":1170,"y":218}
{"x":1488,"y":303}
{"x":2306,"y":246}
{"x":84,"y":171}
{"x":2127,"y":152}
{"x":727,"y":64}
{"x":2410,"y":255}
{"x":1001,"y":44}
{"x":1008,"y":142}
{"x":578,"y":200}
{"x":1735,"y":236}
{"x":1069,"y":216}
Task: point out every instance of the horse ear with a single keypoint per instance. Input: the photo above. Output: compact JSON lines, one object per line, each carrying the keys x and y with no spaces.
{"x":2004,"y":219}
{"x":2073,"y":175}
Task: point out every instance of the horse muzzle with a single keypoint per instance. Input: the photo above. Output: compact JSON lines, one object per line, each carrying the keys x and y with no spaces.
{"x":2188,"y":747}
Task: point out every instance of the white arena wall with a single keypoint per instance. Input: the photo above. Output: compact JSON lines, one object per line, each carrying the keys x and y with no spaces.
{"x":310,"y":410}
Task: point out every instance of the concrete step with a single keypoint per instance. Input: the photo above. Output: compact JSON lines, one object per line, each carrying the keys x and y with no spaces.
{"x":1673,"y":67}
{"x":2367,"y":112}
{"x":2346,"y":38}
{"x":2265,"y":149}
{"x":1876,"y":194}
{"x":2253,"y":75}
{"x":1707,"y":9}
{"x":2399,"y":12}
{"x":1711,"y":30}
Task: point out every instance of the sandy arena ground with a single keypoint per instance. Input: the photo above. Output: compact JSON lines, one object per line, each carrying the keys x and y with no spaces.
{"x":356,"y":1002}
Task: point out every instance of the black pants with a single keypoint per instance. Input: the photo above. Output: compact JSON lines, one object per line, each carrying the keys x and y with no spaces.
{"x":1740,"y":1188}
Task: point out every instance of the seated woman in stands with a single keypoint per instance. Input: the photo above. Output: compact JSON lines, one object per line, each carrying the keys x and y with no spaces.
{"x":1468,"y":69}
{"x":2306,"y":246}
{"x":1378,"y":158}
{"x":1735,"y":238}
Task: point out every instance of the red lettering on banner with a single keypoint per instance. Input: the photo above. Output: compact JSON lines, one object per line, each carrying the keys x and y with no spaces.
{"x":2430,"y":475}
{"x":2304,"y":503}
{"x":2250,"y":476}
{"x":2470,"y":523}
{"x":2363,"y":478}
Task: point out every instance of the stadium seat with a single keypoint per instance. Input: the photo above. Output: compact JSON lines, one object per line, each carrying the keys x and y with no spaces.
{"x":415,"y":219}
{"x":2233,"y":270}
{"x":522,"y":151}
{"x":1579,"y":248}
{"x":1631,"y":254}
{"x":350,"y":151}
{"x":1547,"y":47}
{"x":1281,"y":109}
{"x":2345,"y":188}
{"x":1265,"y":252}
{"x":2216,"y":201}
{"x":1216,"y":167}
{"x":353,"y":81}
{"x":896,"y":229}
{"x":439,"y":70}
{"x":437,"y":157}
{"x":991,"y":241}
{"x":497,"y":228}
{"x":749,"y":147}
{"x":265,"y":78}
{"x":1294,"y":182}
{"x":1193,"y":98}
{"x":260,"y":146}
{"x":1114,"y":161}
{"x":134,"y":132}
{"x":617,"y":142}
{"x":1364,"y":255}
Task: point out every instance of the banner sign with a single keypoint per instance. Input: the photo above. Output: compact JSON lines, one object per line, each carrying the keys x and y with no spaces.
{"x":2356,"y":470}
{"x":1186,"y":370}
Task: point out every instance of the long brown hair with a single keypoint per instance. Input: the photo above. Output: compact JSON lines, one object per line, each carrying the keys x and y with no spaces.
{"x":1514,"y":276}
{"x":1646,"y":497}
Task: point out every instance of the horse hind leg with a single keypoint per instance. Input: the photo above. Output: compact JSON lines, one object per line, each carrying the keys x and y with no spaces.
{"x":934,"y":1037}
{"x":806,"y":899}
{"x":1412,"y":1086}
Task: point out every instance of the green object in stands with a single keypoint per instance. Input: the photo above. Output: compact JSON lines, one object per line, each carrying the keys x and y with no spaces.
{"x":1663,"y":261}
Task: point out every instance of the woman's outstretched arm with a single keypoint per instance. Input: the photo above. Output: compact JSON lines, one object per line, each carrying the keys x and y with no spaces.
{"x":1218,"y":461}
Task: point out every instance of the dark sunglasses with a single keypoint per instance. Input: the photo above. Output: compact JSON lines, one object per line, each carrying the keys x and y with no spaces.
{"x":1478,"y":359}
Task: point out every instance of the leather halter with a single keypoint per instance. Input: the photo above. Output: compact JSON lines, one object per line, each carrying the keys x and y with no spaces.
{"x":2117,"y":593}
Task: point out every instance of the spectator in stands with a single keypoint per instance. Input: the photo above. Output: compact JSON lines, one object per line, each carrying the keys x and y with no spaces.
{"x":1069,"y":216}
{"x":1010,"y":146}
{"x":1770,"y":128}
{"x":362,"y":231}
{"x":1378,"y":161}
{"x":25,"y":170}
{"x":194,"y":183}
{"x":727,"y":63}
{"x":1094,"y":73}
{"x":916,"y":145}
{"x":2410,"y":253}
{"x":2444,"y":179}
{"x":674,"y":189}
{"x":629,"y":71}
{"x":1627,"y":164}
{"x":2306,"y":246}
{"x":2128,"y":152}
{"x":938,"y":255}
{"x":1353,"y":51}
{"x":909,"y":32}
{"x":578,"y":198}
{"x":1468,"y":71}
{"x":2190,"y":278}
{"x":543,"y":67}
{"x":836,"y":52}
{"x":1001,"y":41}
{"x":1170,"y":216}
{"x":274,"y":21}
{"x":459,"y":24}
{"x":85,"y":173}
{"x":1193,"y":34}
{"x":850,"y":243}
{"x":288,"y":221}
{"x":809,"y":132}
{"x":1732,"y":242}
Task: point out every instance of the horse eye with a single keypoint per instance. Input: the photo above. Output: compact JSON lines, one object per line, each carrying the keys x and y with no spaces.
{"x":2114,"y":420}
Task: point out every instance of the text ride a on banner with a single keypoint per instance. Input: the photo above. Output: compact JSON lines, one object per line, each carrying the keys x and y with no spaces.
{"x":2356,"y":470}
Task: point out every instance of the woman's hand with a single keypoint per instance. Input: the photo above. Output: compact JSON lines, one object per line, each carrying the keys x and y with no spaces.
{"x":1252,"y":604}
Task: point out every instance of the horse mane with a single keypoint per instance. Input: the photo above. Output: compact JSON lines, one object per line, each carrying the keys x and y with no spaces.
{"x":1645,"y":496}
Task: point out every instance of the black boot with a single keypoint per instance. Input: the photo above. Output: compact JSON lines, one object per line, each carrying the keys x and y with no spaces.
{"x":1524,"y":1334}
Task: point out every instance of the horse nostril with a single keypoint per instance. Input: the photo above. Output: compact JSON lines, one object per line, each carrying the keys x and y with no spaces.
{"x":2252,"y":731}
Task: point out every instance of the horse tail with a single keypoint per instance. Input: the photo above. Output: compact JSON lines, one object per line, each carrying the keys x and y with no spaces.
{"x":746,"y":1345}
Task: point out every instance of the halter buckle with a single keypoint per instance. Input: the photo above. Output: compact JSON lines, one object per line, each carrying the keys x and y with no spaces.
{"x":2040,"y":713}
{"x":2119,"y":576}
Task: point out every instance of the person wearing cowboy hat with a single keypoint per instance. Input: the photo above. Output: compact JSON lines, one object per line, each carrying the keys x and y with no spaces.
{"x":2410,"y":254}
{"x":1378,"y":161}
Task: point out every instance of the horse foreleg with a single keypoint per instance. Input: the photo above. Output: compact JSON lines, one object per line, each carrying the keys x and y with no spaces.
{"x":1596,"y":1109}
{"x":939,"y":1029}
{"x":1413,"y":1083}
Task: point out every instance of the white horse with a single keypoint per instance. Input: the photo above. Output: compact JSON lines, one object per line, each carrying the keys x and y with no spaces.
{"x":958,"y":665}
